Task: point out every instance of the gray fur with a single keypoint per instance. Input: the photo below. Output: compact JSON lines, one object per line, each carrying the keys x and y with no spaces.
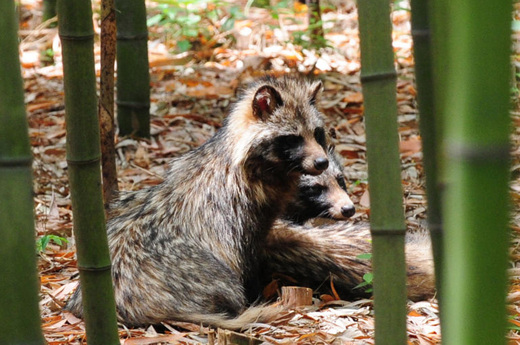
{"x":312,"y":255}
{"x":186,"y":249}
{"x":323,"y":195}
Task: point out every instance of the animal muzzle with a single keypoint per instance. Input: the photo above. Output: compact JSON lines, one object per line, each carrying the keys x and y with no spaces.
{"x":315,"y":159}
{"x":321,"y":164}
{"x":342,"y":207}
{"x":348,"y":211}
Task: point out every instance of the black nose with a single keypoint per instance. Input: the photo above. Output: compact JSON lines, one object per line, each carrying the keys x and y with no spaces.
{"x":348,"y":211}
{"x":321,"y":163}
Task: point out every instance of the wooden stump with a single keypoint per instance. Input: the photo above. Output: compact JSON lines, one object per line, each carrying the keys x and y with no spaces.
{"x":296,"y":296}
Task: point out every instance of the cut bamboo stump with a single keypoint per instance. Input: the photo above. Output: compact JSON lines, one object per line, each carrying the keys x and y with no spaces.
{"x":296,"y":296}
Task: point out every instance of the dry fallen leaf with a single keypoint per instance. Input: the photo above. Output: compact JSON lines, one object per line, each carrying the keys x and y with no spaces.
{"x":166,"y":339}
{"x":411,"y":146}
{"x":191,"y":93}
{"x":365,"y":199}
{"x":141,"y":157}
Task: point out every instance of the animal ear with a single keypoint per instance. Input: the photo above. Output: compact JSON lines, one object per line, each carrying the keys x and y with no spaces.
{"x":316,"y":88}
{"x":265,"y":101}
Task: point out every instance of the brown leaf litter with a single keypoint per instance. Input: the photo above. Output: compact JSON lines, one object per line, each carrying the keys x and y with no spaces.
{"x":190,"y":94}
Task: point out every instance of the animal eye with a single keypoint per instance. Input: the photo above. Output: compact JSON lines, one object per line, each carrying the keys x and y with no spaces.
{"x":289,"y":141}
{"x":341,"y":182}
{"x":319,"y":135}
{"x":315,"y":189}
{"x":288,"y":146}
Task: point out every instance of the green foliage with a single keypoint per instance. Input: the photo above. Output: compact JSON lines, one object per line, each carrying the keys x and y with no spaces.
{"x":43,"y":241}
{"x":260,"y":3}
{"x":368,"y":279}
{"x":365,"y":256}
{"x":354,"y":184}
{"x":281,"y":7}
{"x":303,"y":38}
{"x":307,"y":40}
{"x":47,"y":56}
{"x":194,"y":22}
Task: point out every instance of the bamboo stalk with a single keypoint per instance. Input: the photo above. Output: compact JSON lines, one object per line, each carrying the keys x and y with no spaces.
{"x":83,"y":158}
{"x":19,"y":313}
{"x":428,"y":125}
{"x":438,"y":19}
{"x":477,"y":149}
{"x":106,"y":100}
{"x":49,"y":11}
{"x":378,"y":78}
{"x":133,"y":78}
{"x":440,"y":22}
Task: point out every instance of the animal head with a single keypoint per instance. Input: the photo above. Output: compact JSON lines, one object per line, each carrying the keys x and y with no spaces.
{"x":324,"y":195}
{"x":278,"y":127}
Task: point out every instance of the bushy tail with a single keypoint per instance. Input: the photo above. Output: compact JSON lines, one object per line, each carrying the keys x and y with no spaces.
{"x":420,"y":267}
{"x":311,"y":255}
{"x":258,"y":313}
{"x":74,"y":304}
{"x":262,"y":313}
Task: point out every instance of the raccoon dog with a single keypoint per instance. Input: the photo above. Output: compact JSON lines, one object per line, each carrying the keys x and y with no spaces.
{"x":324,"y":195}
{"x":187,"y":248}
{"x":312,"y":255}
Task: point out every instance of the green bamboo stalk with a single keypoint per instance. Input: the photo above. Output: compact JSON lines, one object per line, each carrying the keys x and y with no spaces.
{"x":83,"y":158}
{"x":106,"y":100}
{"x":133,"y":77}
{"x":477,"y":149}
{"x":49,"y":11}
{"x":19,"y":313}
{"x":428,"y":124}
{"x":378,"y":78}
{"x":440,"y":22}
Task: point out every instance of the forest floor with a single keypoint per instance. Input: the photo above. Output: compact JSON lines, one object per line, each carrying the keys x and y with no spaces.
{"x":191,"y":92}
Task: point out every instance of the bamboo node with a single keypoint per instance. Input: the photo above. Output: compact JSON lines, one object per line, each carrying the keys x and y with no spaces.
{"x":76,"y":37}
{"x":16,"y":162}
{"x":436,"y":227}
{"x":84,"y":162}
{"x":378,"y":76}
{"x":95,"y":269}
{"x":136,"y":37}
{"x":421,"y":33}
{"x":133,"y":105}
{"x":479,"y":153}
